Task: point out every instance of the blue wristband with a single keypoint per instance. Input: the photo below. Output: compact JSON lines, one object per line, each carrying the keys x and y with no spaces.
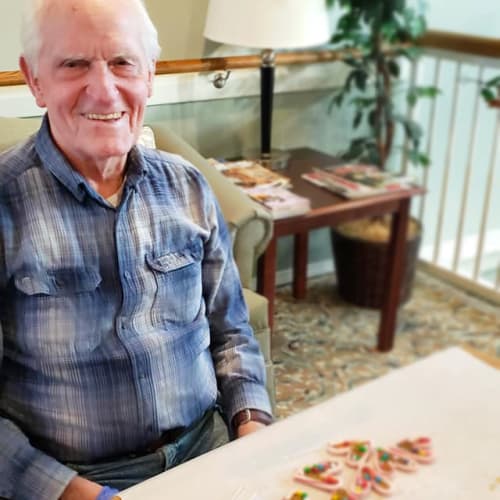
{"x":107,"y":493}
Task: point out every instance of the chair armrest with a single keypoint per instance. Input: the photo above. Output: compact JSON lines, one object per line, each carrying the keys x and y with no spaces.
{"x":249,"y":223}
{"x":15,"y":130}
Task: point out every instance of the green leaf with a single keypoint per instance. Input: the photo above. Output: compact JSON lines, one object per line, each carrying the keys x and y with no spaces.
{"x":372,"y":116}
{"x":389,"y":31}
{"x":363,"y":102}
{"x":393,"y":68}
{"x":412,"y":129}
{"x":424,"y":160}
{"x":488,"y":94}
{"x":494,"y":82}
{"x":357,"y":119}
{"x":360,"y":141}
{"x":416,"y":93}
{"x":411,"y":53}
{"x":360,"y":79}
{"x":411,"y":98}
{"x":350,"y":61}
{"x":418,"y":158}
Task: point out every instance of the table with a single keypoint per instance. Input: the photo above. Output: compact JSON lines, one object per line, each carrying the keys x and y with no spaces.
{"x":450,"y":396}
{"x":328,"y":209}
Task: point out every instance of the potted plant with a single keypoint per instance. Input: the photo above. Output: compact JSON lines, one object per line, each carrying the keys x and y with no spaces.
{"x":382,"y":33}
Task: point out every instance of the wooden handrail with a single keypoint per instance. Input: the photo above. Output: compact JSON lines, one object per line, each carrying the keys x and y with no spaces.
{"x":216,"y":63}
{"x":456,"y":42}
{"x":466,"y":44}
{"x":250,"y":61}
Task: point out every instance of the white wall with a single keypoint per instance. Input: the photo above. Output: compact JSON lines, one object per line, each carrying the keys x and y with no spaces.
{"x":478,"y":17}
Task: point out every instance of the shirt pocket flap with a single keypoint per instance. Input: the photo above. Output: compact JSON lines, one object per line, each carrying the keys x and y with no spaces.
{"x":173,"y":260}
{"x":58,"y":282}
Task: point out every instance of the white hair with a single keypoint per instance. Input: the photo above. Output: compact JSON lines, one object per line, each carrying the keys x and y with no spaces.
{"x":35,"y":13}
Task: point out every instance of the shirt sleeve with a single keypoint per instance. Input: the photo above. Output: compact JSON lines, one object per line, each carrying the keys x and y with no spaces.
{"x":238,"y":360}
{"x":27,"y":473}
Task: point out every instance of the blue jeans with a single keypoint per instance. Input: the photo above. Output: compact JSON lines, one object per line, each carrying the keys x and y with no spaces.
{"x":207,"y":434}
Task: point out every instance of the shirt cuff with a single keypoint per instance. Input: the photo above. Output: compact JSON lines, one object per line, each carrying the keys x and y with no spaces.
{"x":44,"y":479}
{"x":248,"y":395}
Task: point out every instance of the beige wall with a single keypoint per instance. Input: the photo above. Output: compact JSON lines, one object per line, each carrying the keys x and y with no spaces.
{"x":10,"y":20}
{"x":180,"y":26}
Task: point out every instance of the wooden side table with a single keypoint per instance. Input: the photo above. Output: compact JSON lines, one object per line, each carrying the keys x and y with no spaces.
{"x":328,"y":209}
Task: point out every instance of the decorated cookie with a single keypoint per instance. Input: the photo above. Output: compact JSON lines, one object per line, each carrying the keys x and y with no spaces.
{"x":297,"y":495}
{"x":419,"y":449}
{"x":389,"y":460}
{"x":342,"y":494}
{"x":356,"y":452}
{"x":359,"y":454}
{"x":375,"y":481}
{"x":321,"y":475}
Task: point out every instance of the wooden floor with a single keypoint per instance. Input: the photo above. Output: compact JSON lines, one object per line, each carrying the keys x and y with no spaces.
{"x":490,"y":360}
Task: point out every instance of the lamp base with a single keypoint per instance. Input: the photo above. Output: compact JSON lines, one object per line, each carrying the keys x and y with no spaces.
{"x":277,"y":159}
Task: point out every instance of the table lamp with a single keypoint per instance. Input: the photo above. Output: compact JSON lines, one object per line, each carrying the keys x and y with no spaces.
{"x":268,"y":25}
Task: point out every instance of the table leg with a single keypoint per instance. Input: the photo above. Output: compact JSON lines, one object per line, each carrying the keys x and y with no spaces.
{"x":300,"y":265}
{"x":395,"y":267}
{"x":266,"y":277}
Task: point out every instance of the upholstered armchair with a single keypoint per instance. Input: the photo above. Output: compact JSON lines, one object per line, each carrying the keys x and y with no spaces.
{"x":249,"y":224}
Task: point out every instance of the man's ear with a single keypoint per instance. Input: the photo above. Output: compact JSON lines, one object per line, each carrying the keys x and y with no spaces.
{"x":151,"y":76}
{"x":32,"y":82}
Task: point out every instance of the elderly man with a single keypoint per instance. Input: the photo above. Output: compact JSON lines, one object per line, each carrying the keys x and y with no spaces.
{"x":122,"y":324}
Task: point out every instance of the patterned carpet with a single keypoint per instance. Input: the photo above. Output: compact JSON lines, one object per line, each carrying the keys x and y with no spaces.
{"x":323,"y":346}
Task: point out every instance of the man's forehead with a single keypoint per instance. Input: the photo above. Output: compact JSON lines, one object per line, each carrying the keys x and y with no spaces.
{"x":81,"y":5}
{"x":82,"y":9}
{"x":91,"y":24}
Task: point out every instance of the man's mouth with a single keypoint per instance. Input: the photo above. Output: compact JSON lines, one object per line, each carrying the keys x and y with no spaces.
{"x":104,"y":117}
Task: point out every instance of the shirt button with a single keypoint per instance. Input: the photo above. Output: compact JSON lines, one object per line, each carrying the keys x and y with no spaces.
{"x":127,"y":274}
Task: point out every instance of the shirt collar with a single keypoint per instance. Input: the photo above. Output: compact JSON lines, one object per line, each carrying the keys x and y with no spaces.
{"x":53,"y":159}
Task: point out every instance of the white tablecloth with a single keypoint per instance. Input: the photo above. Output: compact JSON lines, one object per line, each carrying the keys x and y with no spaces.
{"x":449,"y":396}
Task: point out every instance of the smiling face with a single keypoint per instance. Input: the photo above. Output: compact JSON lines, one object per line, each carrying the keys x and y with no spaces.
{"x":93,"y":77}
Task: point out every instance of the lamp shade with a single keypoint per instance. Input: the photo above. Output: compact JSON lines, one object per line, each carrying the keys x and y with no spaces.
{"x":268,"y":24}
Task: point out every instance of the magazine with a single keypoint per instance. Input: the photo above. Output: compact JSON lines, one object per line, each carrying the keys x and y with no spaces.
{"x":249,"y":174}
{"x":357,"y":180}
{"x":280,"y":201}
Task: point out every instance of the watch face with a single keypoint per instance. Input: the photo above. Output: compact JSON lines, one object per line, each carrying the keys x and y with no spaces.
{"x":246,"y":417}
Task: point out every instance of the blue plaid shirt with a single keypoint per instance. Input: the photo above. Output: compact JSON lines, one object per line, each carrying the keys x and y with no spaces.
{"x":115,"y":324}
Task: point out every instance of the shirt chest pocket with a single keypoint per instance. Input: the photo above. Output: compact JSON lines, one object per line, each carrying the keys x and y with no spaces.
{"x":177,"y":296}
{"x":56,"y":312}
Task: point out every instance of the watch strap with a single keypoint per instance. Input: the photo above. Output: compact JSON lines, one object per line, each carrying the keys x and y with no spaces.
{"x":251,"y":415}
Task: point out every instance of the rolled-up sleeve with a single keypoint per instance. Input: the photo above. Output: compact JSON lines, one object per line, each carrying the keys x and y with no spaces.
{"x":237,"y":357}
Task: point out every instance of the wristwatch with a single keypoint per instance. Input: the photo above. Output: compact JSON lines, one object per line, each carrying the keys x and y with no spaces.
{"x":250,"y":415}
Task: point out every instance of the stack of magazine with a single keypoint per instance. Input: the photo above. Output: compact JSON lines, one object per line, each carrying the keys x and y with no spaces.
{"x":265,"y":186}
{"x":357,"y":180}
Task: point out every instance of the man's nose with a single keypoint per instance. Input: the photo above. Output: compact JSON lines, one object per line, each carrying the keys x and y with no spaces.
{"x":101,"y":83}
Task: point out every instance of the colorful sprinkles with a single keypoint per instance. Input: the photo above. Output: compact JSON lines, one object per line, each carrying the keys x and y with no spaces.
{"x":375,"y":467}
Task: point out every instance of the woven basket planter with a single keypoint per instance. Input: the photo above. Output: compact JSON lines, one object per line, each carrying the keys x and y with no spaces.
{"x":361,"y":268}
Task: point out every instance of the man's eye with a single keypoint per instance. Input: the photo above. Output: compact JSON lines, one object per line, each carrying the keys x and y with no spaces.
{"x":74,"y":64}
{"x":122,"y":62}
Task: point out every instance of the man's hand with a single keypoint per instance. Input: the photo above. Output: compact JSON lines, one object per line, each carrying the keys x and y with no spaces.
{"x":248,"y":428}
{"x":80,"y":488}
